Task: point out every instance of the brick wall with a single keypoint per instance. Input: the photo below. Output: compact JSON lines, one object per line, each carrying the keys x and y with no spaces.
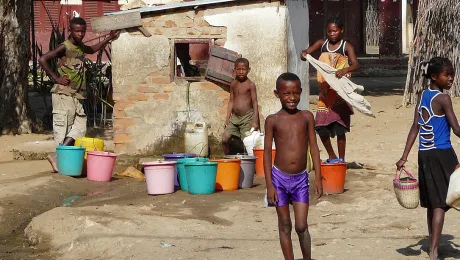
{"x":149,"y":103}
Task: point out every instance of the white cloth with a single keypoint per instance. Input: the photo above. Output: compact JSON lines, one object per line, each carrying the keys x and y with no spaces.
{"x":343,"y":86}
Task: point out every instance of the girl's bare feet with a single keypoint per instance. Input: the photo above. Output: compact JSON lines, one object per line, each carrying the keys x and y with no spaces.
{"x":52,"y":160}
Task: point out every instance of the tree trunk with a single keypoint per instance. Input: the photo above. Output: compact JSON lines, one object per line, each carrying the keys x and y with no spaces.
{"x":436,"y":34}
{"x":14,"y":66}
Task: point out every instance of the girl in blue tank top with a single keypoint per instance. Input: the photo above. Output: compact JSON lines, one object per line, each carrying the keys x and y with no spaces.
{"x":434,"y":119}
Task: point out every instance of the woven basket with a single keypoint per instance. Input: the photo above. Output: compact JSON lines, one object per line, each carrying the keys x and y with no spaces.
{"x":406,"y":190}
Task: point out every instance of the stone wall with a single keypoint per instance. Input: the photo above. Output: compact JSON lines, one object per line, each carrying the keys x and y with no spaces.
{"x":150,"y":104}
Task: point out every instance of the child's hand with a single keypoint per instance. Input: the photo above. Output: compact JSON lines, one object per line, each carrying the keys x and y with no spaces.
{"x":272,"y":195}
{"x":458,"y":166}
{"x":255,"y":126}
{"x":318,"y":189}
{"x":114,"y":34}
{"x":303,"y":55}
{"x":400,"y":164}
{"x":64,"y":80}
{"x":341,"y":73}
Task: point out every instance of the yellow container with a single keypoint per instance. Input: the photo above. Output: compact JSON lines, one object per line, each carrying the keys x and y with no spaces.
{"x":91,"y":144}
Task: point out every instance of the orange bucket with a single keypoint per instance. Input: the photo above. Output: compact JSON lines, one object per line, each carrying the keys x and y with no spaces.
{"x":259,"y":153}
{"x":228,"y":174}
{"x":333,"y":177}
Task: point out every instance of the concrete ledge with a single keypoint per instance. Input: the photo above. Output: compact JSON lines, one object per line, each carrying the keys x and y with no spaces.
{"x":39,"y":150}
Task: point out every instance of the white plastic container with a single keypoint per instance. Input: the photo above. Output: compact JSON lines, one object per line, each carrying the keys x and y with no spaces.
{"x":453,"y":193}
{"x":259,"y":142}
{"x":250,"y":140}
{"x":196,"y":138}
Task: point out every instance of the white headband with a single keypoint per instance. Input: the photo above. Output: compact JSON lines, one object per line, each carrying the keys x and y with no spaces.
{"x":424,"y":68}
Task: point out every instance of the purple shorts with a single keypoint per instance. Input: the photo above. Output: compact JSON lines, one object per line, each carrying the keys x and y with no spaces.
{"x":290,"y":187}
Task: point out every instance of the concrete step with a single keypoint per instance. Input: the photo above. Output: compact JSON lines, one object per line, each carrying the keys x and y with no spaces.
{"x":39,"y":150}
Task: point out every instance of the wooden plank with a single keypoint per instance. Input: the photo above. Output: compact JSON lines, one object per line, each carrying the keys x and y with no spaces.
{"x":116,"y":22}
{"x":224,"y":53}
{"x":144,"y":31}
{"x":217,"y":75}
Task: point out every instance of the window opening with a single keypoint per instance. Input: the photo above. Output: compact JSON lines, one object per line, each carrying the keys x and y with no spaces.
{"x":191,"y":58}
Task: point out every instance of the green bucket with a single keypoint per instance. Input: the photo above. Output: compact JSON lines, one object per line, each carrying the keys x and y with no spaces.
{"x":201,"y":177}
{"x":181,"y":170}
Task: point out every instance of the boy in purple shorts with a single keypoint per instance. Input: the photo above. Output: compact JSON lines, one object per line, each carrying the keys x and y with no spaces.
{"x":287,"y":181}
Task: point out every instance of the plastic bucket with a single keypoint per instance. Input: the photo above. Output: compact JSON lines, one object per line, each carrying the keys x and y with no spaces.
{"x":201,"y":177}
{"x":228,"y":174}
{"x":247,"y":170}
{"x":100,"y":166}
{"x":159,"y":177}
{"x":70,"y":160}
{"x":173,"y":157}
{"x":259,"y":153}
{"x":91,"y":144}
{"x":181,"y":170}
{"x":333,"y":177}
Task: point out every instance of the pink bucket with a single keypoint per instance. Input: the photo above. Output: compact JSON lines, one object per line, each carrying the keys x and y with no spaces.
{"x":100,"y":166}
{"x":159,"y":176}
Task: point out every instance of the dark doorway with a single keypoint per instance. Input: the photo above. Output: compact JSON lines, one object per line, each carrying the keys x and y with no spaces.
{"x":349,"y":11}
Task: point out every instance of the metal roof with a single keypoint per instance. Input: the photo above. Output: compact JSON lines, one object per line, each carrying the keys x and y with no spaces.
{"x":174,"y":6}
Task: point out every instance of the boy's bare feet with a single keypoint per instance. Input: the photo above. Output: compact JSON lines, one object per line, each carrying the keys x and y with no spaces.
{"x":52,"y":160}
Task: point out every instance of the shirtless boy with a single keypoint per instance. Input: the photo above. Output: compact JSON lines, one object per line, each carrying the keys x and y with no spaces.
{"x":287,"y":181}
{"x":243,"y":112}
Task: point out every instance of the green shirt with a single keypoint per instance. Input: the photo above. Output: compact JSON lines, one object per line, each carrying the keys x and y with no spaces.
{"x":72,"y":65}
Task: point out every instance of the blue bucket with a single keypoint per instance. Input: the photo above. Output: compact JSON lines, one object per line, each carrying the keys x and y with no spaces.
{"x":181,"y":170}
{"x":70,"y":160}
{"x":201,"y":177}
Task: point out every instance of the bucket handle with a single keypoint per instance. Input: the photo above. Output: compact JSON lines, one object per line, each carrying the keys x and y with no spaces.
{"x":61,"y":144}
{"x":398,"y":174}
{"x":196,"y":146}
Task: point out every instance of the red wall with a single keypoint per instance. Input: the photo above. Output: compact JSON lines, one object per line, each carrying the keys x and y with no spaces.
{"x":62,"y":13}
{"x":390,"y":28}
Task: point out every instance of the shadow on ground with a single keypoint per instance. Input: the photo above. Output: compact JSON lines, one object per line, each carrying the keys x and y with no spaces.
{"x":447,"y":248}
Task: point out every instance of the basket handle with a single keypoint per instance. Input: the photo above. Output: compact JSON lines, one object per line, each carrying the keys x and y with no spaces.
{"x":398,"y":174}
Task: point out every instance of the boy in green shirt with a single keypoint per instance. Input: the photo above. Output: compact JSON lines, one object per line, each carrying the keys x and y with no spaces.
{"x":69,"y":91}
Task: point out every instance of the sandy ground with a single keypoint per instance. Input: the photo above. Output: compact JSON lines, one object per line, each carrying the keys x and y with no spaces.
{"x":118,"y":220}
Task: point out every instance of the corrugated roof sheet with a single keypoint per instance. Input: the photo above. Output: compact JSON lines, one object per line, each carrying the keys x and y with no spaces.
{"x":159,"y":8}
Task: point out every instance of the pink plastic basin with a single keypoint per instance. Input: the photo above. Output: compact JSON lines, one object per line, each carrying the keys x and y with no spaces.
{"x":159,"y":176}
{"x":100,"y":166}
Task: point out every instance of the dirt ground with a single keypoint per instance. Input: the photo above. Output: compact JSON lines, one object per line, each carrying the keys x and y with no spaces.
{"x":118,"y":220}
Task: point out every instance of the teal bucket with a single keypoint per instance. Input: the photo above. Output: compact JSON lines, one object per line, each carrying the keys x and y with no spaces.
{"x":70,"y":160}
{"x":181,"y":170}
{"x":201,"y":177}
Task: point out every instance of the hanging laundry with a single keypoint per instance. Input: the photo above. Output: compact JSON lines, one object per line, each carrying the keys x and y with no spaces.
{"x":344,"y":87}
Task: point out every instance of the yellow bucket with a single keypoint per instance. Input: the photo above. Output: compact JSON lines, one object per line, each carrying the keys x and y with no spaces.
{"x":91,"y":144}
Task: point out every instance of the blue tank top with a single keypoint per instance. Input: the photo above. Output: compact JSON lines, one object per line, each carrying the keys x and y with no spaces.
{"x":435,"y":131}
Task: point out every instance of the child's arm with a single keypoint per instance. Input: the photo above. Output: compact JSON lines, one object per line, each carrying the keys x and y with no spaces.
{"x":230,"y":106}
{"x":316,"y":46}
{"x":314,"y":150}
{"x":255,"y":107}
{"x":413,"y":132}
{"x":97,"y":47}
{"x":44,"y":63}
{"x":271,"y":192}
{"x":350,"y":50}
{"x":446,"y":104}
